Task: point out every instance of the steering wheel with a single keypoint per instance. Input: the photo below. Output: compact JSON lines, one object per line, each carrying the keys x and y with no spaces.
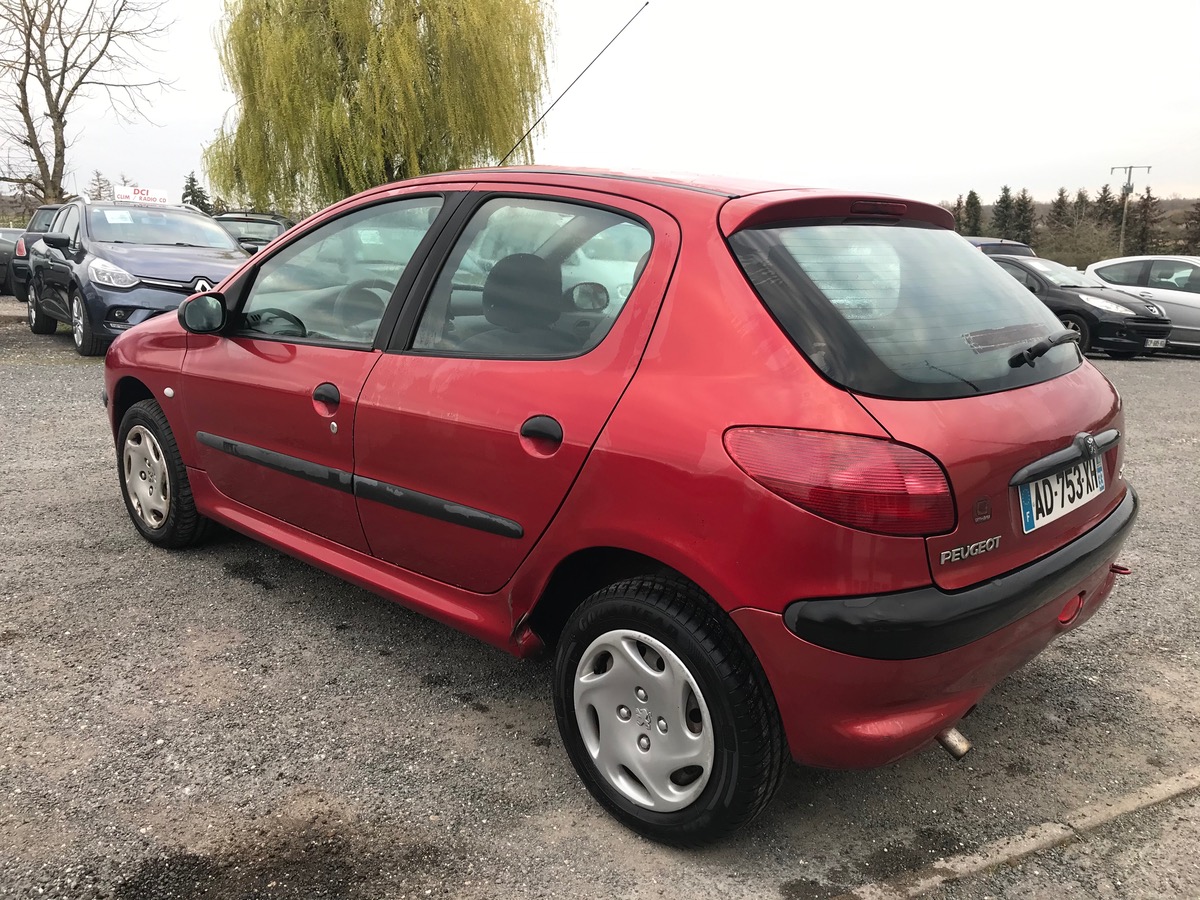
{"x":261,"y":316}
{"x":357,"y":300}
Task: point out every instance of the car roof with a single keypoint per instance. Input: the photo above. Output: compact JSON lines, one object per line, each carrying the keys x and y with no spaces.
{"x":740,"y":200}
{"x":1195,"y":260}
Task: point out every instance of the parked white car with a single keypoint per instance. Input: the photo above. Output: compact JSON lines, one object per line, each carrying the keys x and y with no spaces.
{"x":1172,"y":282}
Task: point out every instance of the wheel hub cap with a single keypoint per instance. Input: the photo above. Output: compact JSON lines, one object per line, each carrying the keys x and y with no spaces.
{"x":145,"y":474}
{"x":643,"y":720}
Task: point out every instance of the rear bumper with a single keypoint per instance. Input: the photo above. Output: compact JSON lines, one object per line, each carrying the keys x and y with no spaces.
{"x":863,"y":682}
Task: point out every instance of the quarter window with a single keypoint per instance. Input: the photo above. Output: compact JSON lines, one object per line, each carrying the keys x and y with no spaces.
{"x":333,"y":284}
{"x":533,"y":279}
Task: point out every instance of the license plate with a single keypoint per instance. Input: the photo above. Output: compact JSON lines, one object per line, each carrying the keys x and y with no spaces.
{"x":1155,"y":343}
{"x":1052,"y":497}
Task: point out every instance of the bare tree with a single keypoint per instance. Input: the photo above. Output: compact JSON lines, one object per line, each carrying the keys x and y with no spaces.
{"x":55,"y":53}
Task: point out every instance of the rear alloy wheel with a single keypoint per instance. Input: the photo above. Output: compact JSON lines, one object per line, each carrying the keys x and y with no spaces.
{"x":86,"y":341}
{"x":1075,"y":323}
{"x":154,"y":481}
{"x":665,"y":712}
{"x":39,"y":322}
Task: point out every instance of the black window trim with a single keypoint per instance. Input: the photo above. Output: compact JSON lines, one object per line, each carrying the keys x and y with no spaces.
{"x":237,"y":293}
{"x":414,"y":306}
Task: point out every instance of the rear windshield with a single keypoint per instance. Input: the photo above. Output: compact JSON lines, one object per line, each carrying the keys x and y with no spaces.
{"x":900,"y":311}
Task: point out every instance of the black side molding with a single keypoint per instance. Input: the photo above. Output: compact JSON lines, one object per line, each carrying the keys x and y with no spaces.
{"x":367,"y":488}
{"x":435,"y":507}
{"x":280,"y":462}
{"x":928,"y":621}
{"x":1084,"y":444}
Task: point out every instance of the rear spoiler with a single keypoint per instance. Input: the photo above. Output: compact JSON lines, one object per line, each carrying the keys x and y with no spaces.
{"x":777,"y":207}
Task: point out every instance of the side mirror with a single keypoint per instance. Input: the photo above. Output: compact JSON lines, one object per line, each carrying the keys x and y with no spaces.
{"x":588,"y":296}
{"x":1032,"y":287}
{"x":249,"y":246}
{"x":203,"y":313}
{"x":57,"y":240}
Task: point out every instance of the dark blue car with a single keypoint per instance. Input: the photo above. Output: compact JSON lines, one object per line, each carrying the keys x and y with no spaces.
{"x":104,"y":267}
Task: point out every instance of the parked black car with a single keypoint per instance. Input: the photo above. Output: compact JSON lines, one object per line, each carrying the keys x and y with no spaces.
{"x":8,"y":241}
{"x":996,"y":246}
{"x":1121,"y":325}
{"x":254,"y":230}
{"x":18,"y":266}
{"x":105,"y":267}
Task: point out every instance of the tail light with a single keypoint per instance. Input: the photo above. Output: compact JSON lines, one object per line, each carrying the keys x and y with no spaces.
{"x":19,"y":250}
{"x":865,"y":483}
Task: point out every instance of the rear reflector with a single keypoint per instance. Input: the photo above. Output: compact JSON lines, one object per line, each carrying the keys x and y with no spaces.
{"x":865,"y":483}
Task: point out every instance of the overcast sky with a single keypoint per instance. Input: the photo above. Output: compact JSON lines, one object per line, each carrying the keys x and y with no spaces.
{"x":925,"y":98}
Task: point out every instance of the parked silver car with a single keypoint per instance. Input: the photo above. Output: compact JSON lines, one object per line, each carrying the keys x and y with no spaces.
{"x":1172,"y":282}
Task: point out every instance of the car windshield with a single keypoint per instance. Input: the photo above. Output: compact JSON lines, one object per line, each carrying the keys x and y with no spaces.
{"x":900,"y":311}
{"x":252,"y":229}
{"x":156,"y":227}
{"x":1063,"y":276}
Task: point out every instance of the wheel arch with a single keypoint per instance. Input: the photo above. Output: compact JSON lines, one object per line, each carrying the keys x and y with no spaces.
{"x":127,"y":391}
{"x":582,"y":573}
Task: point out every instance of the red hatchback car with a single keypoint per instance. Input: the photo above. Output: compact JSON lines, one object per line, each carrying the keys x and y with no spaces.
{"x":774,"y":471}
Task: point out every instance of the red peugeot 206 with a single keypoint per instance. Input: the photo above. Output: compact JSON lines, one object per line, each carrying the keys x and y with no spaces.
{"x":770,"y":471}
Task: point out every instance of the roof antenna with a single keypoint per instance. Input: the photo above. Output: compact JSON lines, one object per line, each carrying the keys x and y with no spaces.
{"x":572,"y":84}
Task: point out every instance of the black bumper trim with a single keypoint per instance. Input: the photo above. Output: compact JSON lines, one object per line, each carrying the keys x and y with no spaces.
{"x":928,"y":621}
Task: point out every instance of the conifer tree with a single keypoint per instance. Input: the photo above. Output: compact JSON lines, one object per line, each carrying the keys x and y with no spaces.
{"x":1023,"y":217}
{"x":972,"y":215}
{"x":195,"y":194}
{"x":1002,"y":214}
{"x":1059,"y":216}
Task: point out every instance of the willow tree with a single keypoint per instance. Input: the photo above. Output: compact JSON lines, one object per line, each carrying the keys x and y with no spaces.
{"x":335,"y":96}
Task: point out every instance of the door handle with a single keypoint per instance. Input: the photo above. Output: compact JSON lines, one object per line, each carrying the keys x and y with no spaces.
{"x":327,"y":393}
{"x":544,"y":428}
{"x":1145,"y":295}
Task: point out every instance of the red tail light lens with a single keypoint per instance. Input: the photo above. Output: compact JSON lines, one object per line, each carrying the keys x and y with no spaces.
{"x":865,"y":483}
{"x":19,"y":250}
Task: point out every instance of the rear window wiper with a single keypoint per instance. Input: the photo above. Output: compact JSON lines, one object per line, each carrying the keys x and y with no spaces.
{"x":1042,"y":347}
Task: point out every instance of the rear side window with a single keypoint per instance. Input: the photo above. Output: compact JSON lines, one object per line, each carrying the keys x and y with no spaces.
{"x":900,"y":311}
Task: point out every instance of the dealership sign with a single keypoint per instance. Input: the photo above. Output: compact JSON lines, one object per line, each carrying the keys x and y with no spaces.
{"x":131,"y":194}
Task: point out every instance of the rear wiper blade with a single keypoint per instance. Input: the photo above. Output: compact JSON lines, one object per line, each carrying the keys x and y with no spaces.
{"x":1042,"y":347}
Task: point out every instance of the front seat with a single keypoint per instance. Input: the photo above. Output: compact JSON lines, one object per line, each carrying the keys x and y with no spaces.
{"x":522,"y":297}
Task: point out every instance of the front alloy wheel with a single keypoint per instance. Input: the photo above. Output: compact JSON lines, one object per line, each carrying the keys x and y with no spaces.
{"x":86,"y":342}
{"x":666,"y":713}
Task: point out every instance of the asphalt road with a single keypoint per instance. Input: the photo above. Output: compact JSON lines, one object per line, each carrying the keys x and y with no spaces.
{"x":229,"y":723}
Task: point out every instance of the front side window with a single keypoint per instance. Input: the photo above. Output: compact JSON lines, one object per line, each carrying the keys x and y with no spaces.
{"x":899,"y":311}
{"x":533,"y":279}
{"x":1122,"y":273}
{"x":70,"y":224}
{"x":334,"y":283}
{"x":1020,"y":274}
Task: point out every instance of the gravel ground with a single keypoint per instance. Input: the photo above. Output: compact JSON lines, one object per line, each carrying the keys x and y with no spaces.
{"x":229,"y":723}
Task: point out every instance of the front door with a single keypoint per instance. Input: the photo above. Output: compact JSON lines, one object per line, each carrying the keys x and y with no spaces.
{"x":471,"y":431}
{"x":272,"y":402}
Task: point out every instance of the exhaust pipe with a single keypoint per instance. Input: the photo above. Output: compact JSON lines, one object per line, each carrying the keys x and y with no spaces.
{"x":954,"y":742}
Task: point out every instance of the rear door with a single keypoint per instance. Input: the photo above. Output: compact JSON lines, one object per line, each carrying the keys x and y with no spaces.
{"x":1174,"y":284}
{"x":471,"y":431}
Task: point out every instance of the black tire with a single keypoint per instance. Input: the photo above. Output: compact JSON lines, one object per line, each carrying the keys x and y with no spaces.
{"x":1122,"y":354}
{"x":749,"y":747}
{"x":1078,"y":324}
{"x":39,"y":322}
{"x":87,"y":342}
{"x":176,"y":523}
